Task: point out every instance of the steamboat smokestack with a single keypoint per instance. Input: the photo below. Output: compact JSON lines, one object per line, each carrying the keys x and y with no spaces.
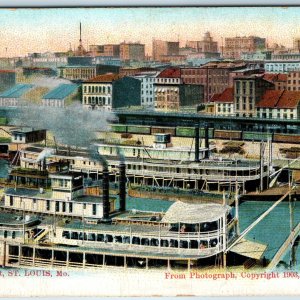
{"x":105,"y":191}
{"x":206,"y":142}
{"x":122,"y":185}
{"x":95,"y":155}
{"x":197,"y":143}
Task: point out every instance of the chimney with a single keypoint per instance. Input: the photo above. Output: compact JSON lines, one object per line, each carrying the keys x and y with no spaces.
{"x":105,"y":189}
{"x":206,"y":143}
{"x":122,"y":185}
{"x":197,"y":143}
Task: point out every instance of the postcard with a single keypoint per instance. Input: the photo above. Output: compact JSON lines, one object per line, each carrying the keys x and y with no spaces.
{"x":149,"y":151}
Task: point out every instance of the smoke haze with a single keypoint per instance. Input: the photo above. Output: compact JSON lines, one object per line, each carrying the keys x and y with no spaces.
{"x":49,"y":82}
{"x":72,"y":126}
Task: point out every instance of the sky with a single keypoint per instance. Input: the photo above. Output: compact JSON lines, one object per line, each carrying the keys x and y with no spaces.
{"x":24,"y":31}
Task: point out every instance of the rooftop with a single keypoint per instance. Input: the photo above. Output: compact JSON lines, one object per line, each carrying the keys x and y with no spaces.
{"x":17,"y":91}
{"x":275,"y":77}
{"x":61,"y":92}
{"x":170,"y":73}
{"x":224,"y":65}
{"x":24,"y":130}
{"x":279,"y":99}
{"x":109,"y":77}
{"x":225,"y":96}
{"x":29,"y":193}
{"x":191,"y":213}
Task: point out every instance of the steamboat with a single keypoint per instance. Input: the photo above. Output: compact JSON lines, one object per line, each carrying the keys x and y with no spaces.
{"x":49,"y":218}
{"x":160,"y":165}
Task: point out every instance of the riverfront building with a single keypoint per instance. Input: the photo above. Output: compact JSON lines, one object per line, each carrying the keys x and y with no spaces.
{"x":111,"y":91}
{"x":61,"y":95}
{"x":279,"y":105}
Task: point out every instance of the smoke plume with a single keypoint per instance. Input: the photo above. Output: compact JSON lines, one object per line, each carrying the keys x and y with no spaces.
{"x":49,"y":82}
{"x":72,"y":126}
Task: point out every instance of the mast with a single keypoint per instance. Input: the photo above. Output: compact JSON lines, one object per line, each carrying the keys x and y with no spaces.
{"x":291,"y":213}
{"x":237,"y":208}
{"x":262,"y":150}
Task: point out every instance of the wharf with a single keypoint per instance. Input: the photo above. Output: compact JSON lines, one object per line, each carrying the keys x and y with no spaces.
{"x":271,"y":194}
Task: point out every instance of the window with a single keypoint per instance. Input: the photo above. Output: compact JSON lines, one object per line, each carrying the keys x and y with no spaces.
{"x":11,"y":200}
{"x":56,"y":206}
{"x":64,"y":206}
{"x":94,"y":209}
{"x":70,"y":207}
{"x":48,"y":205}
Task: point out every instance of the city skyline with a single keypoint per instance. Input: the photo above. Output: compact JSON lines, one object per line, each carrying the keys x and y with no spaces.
{"x":42,"y":30}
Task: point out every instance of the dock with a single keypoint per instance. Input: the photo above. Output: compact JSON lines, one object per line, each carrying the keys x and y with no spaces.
{"x":271,"y":194}
{"x":290,"y":240}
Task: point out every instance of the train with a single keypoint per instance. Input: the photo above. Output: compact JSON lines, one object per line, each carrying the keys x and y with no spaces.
{"x":213,"y":133}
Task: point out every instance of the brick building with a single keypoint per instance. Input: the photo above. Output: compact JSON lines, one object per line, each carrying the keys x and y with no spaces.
{"x":234,"y":47}
{"x":164,"y":48}
{"x":172,"y":94}
{"x":293,"y":81}
{"x":111,"y":50}
{"x":280,"y":80}
{"x":132,"y":51}
{"x":214,"y":76}
{"x":248,"y":91}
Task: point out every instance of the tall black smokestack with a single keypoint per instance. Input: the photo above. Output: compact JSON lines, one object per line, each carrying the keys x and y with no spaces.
{"x":122,"y":185}
{"x":122,"y":180}
{"x":105,"y":192}
{"x":197,"y":143}
{"x":105,"y":182}
{"x":206,"y":142}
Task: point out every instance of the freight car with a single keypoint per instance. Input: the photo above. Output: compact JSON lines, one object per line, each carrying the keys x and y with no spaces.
{"x":257,"y":136}
{"x":228,"y":134}
{"x":165,"y":130}
{"x":119,"y":128}
{"x":286,"y":138}
{"x":185,"y":131}
{"x":139,"y":129}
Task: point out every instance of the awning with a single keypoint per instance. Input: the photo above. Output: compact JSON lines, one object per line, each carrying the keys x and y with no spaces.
{"x":193,"y":213}
{"x":250,"y":249}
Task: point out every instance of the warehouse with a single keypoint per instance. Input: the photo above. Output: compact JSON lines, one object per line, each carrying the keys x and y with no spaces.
{"x":12,"y":96}
{"x":60,"y":96}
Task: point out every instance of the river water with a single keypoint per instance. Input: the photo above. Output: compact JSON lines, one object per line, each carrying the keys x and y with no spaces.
{"x":3,"y":168}
{"x":272,"y":230}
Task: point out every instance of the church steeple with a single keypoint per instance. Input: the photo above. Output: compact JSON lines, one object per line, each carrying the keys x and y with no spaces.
{"x":80,"y":41}
{"x":80,"y":49}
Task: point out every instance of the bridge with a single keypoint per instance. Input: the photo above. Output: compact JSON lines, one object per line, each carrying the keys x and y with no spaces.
{"x":218,"y":122}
